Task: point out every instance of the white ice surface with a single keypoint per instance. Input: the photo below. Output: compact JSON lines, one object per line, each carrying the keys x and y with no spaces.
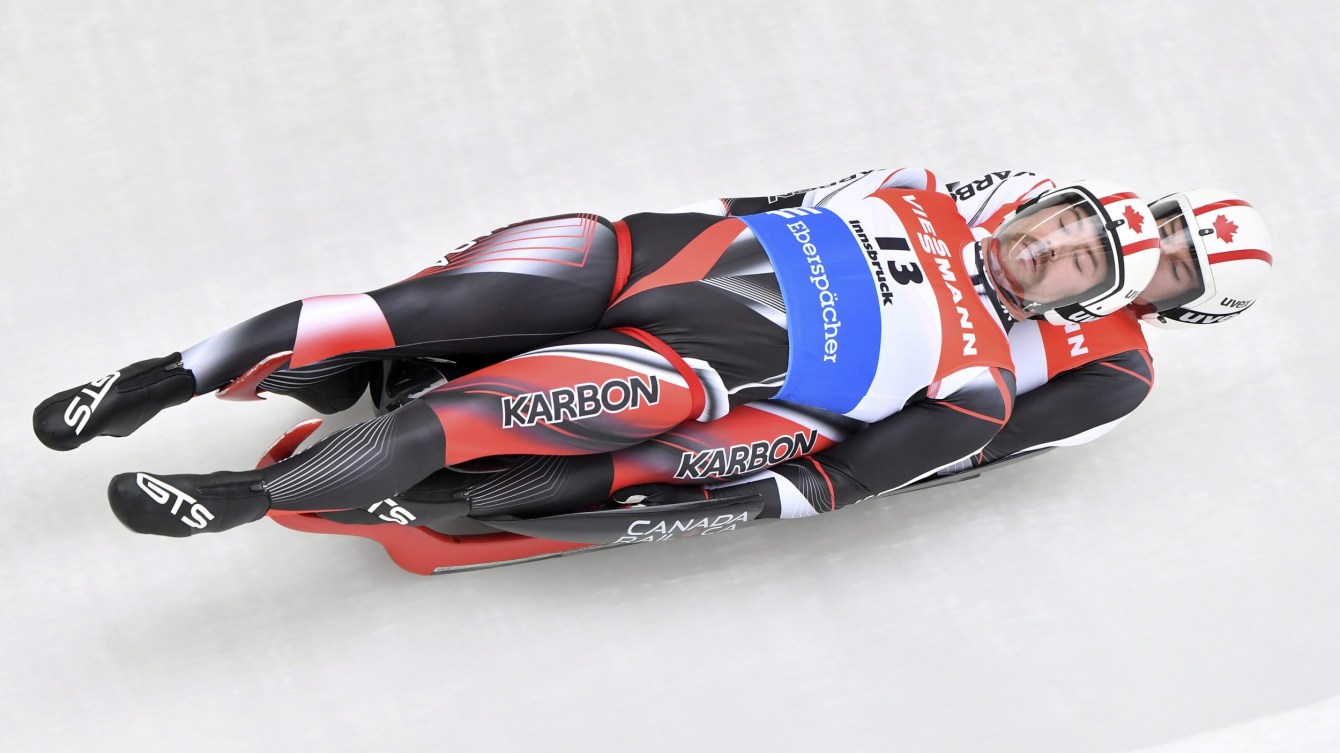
{"x":168,"y":168}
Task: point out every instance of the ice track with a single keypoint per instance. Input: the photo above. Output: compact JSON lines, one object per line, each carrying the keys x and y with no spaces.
{"x":169,"y":168}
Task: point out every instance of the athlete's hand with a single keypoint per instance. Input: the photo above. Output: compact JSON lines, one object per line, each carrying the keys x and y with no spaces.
{"x":661,"y":494}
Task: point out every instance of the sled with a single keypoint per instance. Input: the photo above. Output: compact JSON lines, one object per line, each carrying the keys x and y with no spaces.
{"x":469,"y":543}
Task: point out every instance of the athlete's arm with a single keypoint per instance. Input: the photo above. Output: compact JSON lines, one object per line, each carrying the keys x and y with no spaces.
{"x":985,"y":201}
{"x":913,"y":443}
{"x":1075,"y":406}
{"x":851,"y":188}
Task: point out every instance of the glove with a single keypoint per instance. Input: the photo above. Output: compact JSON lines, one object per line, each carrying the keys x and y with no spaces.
{"x":651,"y":495}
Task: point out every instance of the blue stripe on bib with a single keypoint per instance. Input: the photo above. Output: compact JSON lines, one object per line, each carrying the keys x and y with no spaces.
{"x":832,"y":306}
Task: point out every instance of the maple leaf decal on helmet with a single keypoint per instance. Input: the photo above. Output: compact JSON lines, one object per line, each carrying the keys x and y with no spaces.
{"x":1134,"y":219}
{"x":1224,"y":228}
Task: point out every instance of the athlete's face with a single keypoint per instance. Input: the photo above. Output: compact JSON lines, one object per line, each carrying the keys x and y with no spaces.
{"x":1177,"y":273}
{"x":1051,"y":255}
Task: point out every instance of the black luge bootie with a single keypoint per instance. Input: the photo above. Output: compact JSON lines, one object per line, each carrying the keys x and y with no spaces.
{"x":114,"y":405}
{"x":184,"y":505}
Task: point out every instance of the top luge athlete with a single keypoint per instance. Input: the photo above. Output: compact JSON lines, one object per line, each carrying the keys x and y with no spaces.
{"x":1074,"y":382}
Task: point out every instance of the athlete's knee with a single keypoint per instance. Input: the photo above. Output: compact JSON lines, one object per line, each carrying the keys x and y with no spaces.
{"x":590,"y":393}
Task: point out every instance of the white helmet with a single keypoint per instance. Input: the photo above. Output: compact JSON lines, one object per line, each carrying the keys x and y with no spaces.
{"x":1216,"y":258}
{"x":1074,"y":253}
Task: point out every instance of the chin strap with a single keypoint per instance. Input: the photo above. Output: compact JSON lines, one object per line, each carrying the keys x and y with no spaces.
{"x":976,"y":263}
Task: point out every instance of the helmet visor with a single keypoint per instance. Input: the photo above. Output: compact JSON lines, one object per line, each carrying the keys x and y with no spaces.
{"x":1180,"y":278}
{"x":1053,"y":253}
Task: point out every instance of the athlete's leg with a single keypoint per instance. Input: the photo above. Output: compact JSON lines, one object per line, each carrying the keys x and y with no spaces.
{"x":749,"y":438}
{"x":711,"y":300}
{"x":591,"y":393}
{"x":502,"y":294}
{"x":512,"y":290}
